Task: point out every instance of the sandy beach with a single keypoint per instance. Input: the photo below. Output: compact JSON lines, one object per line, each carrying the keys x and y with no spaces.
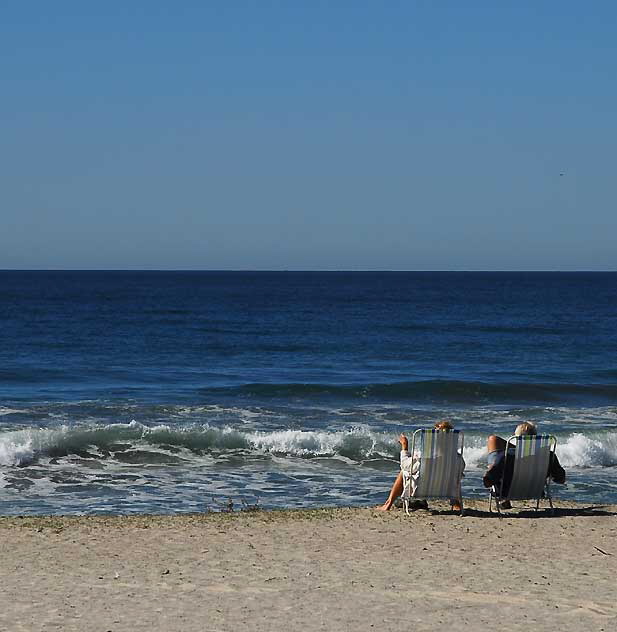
{"x":330,"y":569}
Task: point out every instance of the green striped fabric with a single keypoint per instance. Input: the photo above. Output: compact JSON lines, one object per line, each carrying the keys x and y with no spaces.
{"x":531,"y":462}
{"x":440,"y":464}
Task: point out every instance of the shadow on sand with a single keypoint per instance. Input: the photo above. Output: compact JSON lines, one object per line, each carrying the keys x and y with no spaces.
{"x":527,"y":512}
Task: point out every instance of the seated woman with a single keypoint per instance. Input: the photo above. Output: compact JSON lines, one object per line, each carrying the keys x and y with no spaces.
{"x":496,"y":447}
{"x":406,"y":461}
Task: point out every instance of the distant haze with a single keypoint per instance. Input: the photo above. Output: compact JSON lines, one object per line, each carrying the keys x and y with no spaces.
{"x":308,"y":135}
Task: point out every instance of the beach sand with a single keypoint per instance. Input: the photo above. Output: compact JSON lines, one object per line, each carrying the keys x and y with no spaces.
{"x":330,"y":569}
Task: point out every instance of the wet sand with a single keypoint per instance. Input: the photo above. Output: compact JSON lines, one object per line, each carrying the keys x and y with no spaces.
{"x":325,"y":569}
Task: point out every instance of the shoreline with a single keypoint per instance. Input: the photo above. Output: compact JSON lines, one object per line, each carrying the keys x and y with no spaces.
{"x":317,"y":569}
{"x":475,"y":507}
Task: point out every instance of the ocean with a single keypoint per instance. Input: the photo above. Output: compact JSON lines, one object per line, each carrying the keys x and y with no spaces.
{"x":172,"y":392}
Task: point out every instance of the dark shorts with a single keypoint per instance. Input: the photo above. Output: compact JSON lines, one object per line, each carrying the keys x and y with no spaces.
{"x":497,"y":456}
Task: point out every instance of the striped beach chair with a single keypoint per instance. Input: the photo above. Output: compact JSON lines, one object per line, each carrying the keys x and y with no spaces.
{"x":436,"y":467}
{"x":530,"y":479}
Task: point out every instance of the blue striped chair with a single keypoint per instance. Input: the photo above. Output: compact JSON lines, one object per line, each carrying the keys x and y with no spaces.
{"x":530,"y":480}
{"x":436,"y":467}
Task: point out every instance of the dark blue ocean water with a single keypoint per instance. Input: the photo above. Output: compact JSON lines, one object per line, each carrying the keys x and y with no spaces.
{"x":173,"y":391}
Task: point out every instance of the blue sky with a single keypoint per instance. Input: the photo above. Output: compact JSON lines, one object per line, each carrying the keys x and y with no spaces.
{"x":308,"y":135}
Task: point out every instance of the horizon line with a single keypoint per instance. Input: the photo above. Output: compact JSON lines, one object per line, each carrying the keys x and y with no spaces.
{"x":313,"y":271}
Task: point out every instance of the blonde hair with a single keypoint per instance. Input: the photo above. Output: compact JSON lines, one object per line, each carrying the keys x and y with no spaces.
{"x":526,"y":428}
{"x":443,"y":425}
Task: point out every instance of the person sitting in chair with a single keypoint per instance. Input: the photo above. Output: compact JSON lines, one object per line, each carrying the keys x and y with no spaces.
{"x":496,"y":447}
{"x":406,"y":463}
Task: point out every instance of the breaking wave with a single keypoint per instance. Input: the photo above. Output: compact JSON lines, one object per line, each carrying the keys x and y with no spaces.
{"x":357,"y":444}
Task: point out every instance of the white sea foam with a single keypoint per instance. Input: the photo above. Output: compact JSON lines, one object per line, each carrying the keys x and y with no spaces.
{"x":597,"y":449}
{"x":300,"y":468}
{"x":296,"y":442}
{"x":475,"y":455}
{"x":9,"y":411}
{"x":21,"y":447}
{"x":238,"y":412}
{"x":16,"y":448}
{"x":594,"y":450}
{"x":356,"y":444}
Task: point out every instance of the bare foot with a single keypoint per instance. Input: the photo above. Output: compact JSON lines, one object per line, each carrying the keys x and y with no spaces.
{"x":385,"y":507}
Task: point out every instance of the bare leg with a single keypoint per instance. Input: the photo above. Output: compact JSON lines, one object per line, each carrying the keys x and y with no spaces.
{"x":395,"y":492}
{"x":495,"y":443}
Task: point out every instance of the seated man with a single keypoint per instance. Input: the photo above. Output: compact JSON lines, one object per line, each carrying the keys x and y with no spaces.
{"x":496,"y":455}
{"x":406,"y":462}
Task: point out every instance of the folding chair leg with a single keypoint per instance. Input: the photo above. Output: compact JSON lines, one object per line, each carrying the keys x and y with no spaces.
{"x":497,"y":499}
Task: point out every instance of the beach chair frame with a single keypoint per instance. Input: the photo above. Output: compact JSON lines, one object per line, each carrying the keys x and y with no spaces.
{"x":438,"y":470}
{"x":526,"y":446}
